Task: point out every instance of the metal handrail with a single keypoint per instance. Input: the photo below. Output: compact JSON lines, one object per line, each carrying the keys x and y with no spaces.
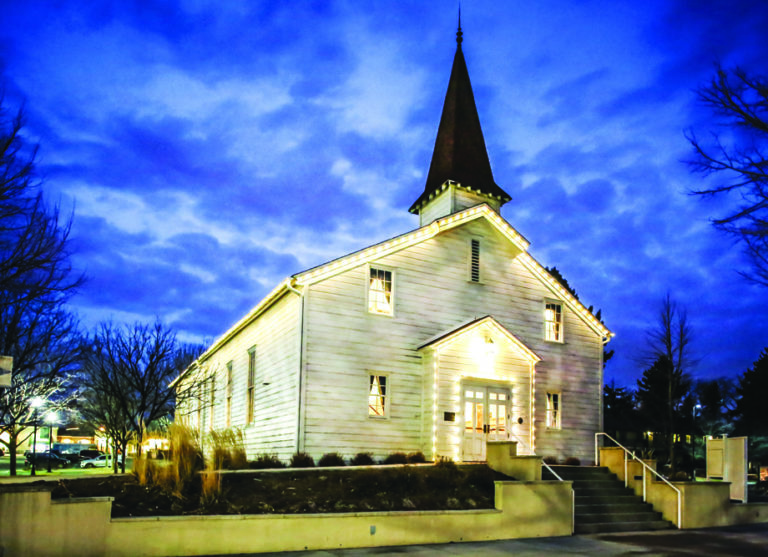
{"x":627,"y":453}
{"x":548,"y":467}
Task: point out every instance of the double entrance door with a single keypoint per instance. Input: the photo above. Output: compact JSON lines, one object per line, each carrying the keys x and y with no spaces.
{"x":486,"y":418}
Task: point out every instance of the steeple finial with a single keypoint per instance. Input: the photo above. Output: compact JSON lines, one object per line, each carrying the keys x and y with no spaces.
{"x":459,"y":34}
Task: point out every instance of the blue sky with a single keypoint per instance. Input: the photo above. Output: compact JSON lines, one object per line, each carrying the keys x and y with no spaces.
{"x":210,"y":149}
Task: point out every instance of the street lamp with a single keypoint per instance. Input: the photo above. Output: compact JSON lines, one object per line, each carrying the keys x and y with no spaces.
{"x":51,"y":418}
{"x":35,"y":403}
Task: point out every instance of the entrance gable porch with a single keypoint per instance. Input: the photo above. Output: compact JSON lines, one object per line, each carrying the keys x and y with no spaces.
{"x":479,"y":382}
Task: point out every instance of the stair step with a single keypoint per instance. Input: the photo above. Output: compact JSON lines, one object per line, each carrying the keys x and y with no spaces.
{"x":582,"y":471}
{"x":604,"y":504}
{"x":635,"y":507}
{"x":602,"y":527}
{"x":602,"y":518}
{"x":604,"y":491}
{"x":607,"y":499}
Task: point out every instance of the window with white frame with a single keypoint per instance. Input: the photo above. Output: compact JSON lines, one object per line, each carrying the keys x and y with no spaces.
{"x":228,"y":405}
{"x":474,"y":260}
{"x":378,"y":396}
{"x":380,"y":291}
{"x":251,"y":385}
{"x":553,"y":410}
{"x":553,"y":321}
{"x":211,"y":401}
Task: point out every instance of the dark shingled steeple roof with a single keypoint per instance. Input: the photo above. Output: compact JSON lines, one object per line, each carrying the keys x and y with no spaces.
{"x":460,"y":154}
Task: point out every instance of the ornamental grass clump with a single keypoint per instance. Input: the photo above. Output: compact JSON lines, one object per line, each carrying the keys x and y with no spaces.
{"x":228,"y":449}
{"x":147,"y":471}
{"x":186,"y":459}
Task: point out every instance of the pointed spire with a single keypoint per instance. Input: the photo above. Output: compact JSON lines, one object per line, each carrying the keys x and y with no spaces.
{"x":459,"y":34}
{"x":460,"y":154}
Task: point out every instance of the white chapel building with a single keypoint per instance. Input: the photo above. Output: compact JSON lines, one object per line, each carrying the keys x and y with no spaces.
{"x":437,"y":340}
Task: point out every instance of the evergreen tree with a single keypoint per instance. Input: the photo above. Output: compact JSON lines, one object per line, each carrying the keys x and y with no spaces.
{"x":751,"y":411}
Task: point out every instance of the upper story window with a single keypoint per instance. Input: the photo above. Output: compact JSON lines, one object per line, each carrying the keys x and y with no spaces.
{"x":251,"y":386}
{"x":211,"y":401}
{"x":553,"y":410}
{"x":474,"y":260}
{"x":380,"y":291}
{"x":228,"y":410}
{"x":378,"y":397}
{"x":553,"y":321}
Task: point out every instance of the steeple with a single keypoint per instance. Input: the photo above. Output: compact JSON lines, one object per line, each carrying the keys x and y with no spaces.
{"x":460,"y":159}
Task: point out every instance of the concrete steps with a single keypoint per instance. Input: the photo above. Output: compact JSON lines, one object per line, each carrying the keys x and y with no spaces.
{"x":603,"y":504}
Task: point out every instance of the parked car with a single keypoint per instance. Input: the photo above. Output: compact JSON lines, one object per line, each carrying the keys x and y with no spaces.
{"x":41,"y":460}
{"x":73,"y":458}
{"x":100,"y":461}
{"x":90,"y":453}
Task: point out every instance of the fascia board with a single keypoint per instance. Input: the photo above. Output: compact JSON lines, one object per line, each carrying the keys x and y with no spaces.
{"x":446,"y":338}
{"x":398,"y":243}
{"x":561,"y":293}
{"x":257,"y":310}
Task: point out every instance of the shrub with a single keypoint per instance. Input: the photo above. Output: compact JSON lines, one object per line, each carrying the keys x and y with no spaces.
{"x":302,"y":460}
{"x":362,"y":459}
{"x":445,"y":462}
{"x":331,"y":459}
{"x":680,"y":476}
{"x":550,"y":460}
{"x":264,"y":461}
{"x":572,"y":461}
{"x":445,"y":475}
{"x":395,"y":458}
{"x":416,"y":458}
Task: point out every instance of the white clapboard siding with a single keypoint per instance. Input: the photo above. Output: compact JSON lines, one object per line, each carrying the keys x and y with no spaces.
{"x":275,"y":336}
{"x":433,"y":294}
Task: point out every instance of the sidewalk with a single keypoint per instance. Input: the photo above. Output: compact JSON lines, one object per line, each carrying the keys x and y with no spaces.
{"x":736,"y":541}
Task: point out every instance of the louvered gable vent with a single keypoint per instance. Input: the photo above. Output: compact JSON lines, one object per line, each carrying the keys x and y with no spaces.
{"x":475,"y":261}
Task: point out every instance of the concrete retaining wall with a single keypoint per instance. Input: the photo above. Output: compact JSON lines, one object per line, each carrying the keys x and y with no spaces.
{"x":703,"y":504}
{"x":33,"y":525}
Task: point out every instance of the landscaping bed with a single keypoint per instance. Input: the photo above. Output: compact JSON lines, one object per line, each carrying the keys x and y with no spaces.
{"x":316,"y":490}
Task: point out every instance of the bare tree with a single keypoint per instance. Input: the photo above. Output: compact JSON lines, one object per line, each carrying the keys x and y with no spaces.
{"x":128,"y":371}
{"x":36,"y":281}
{"x":669,"y":348}
{"x":741,"y":102}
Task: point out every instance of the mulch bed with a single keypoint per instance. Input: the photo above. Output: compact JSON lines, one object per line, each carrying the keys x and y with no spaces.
{"x":301,"y":491}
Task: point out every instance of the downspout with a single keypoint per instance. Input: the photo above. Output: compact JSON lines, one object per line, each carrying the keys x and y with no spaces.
{"x":600,"y":415}
{"x":300,"y":382}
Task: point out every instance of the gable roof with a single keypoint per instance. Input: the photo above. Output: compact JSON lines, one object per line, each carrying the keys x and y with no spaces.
{"x":460,"y":154}
{"x":448,"y":336}
{"x":393,"y":245}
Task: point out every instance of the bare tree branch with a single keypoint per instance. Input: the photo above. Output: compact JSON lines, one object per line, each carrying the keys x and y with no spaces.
{"x":740,"y":101}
